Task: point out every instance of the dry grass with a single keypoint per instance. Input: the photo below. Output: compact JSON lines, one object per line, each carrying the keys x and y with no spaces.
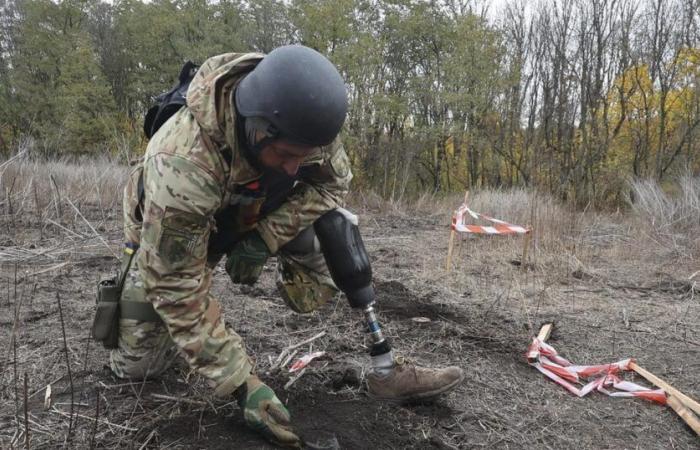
{"x":55,"y":197}
{"x":671,"y":221}
{"x":611,"y":292}
{"x":32,"y":185}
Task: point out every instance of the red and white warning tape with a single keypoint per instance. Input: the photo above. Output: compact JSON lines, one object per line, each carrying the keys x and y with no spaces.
{"x":499,"y":226}
{"x":304,"y":361}
{"x":545,"y":358}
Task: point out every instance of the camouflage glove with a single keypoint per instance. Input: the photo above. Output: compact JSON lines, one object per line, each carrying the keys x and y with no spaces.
{"x":264,"y":413}
{"x":246,"y":260}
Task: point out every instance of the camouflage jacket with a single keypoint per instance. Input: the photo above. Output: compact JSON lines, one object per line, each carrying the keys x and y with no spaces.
{"x":185,"y":159}
{"x":187,"y":181}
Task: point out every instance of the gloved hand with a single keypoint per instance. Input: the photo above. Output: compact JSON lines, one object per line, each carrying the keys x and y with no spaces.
{"x":247,"y":258}
{"x":264,"y":413}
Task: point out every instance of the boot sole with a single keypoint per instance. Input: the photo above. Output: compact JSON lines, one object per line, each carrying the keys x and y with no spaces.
{"x":421,"y":396}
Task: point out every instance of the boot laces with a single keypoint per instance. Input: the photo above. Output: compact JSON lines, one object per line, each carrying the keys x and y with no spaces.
{"x":402,"y":363}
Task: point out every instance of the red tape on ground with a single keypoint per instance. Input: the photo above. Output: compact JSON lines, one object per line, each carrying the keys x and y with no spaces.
{"x":602,"y":377}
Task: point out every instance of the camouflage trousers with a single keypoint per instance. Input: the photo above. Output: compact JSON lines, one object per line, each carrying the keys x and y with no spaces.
{"x":146,"y":349}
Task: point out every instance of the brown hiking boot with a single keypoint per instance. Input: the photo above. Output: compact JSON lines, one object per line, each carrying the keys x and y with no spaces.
{"x":408,"y":382}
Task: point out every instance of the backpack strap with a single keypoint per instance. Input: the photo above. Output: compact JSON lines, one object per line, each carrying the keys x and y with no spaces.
{"x":168,"y":103}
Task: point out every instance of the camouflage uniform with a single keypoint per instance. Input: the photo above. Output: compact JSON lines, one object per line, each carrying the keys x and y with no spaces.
{"x":187,"y":181}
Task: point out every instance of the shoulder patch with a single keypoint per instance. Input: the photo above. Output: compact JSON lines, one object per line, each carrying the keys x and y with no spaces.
{"x":183,"y":236}
{"x":340,"y":163}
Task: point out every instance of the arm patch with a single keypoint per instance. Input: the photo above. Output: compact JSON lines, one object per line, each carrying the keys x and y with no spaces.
{"x":183,"y":235}
{"x":340,"y":163}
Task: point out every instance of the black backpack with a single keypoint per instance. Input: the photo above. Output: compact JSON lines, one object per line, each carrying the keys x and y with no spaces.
{"x":168,"y":103}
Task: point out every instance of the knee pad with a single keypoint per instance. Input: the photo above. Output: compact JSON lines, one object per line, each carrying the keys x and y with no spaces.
{"x":303,"y":290}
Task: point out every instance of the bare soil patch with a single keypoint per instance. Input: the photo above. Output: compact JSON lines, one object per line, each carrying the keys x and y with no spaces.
{"x":608,"y":301}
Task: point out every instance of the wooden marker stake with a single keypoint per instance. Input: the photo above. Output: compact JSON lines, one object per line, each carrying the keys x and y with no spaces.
{"x":526,"y":246}
{"x":542,"y":336}
{"x":450,"y":245}
{"x":684,"y":413}
{"x":545,"y":332}
{"x":670,"y":390}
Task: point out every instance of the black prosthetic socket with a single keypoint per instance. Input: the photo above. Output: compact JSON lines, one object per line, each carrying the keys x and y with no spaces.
{"x":349,"y":266}
{"x":346,"y":257}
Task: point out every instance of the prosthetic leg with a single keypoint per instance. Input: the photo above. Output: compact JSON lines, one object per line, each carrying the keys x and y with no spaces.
{"x":349,"y":266}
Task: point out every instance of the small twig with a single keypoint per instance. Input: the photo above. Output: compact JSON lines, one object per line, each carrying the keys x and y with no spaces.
{"x":81,"y":405}
{"x":26,"y":414}
{"x":308,"y":341}
{"x":289,"y":358}
{"x":97,"y":418}
{"x":286,"y":351}
{"x":57,"y":199}
{"x":99,"y":236}
{"x":14,"y":358}
{"x":179,"y":399}
{"x":49,"y":269}
{"x":43,"y":388}
{"x":291,"y":381}
{"x":38,"y":426}
{"x":148,"y":439}
{"x":102,"y":421}
{"x":56,"y":224}
{"x":87,"y":352}
{"x":70,"y":376}
{"x":17,"y":156}
{"x":120,"y":385}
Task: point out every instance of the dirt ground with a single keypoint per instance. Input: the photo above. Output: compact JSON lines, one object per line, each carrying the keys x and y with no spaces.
{"x":608,"y":298}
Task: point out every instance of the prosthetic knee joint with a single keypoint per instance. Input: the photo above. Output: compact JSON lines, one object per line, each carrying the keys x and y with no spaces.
{"x":349,"y":266}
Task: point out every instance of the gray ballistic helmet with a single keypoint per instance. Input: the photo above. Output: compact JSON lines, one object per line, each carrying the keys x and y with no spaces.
{"x":299,"y":92}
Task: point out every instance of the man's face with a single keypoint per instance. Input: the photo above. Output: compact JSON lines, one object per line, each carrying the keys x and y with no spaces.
{"x":284,"y":157}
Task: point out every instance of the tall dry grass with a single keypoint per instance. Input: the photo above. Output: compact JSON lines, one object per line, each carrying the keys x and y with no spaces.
{"x":670,"y":220}
{"x":658,"y":228}
{"x":551,"y":220}
{"x":36,"y":186}
{"x":55,"y":210}
{"x":658,"y":221}
{"x":96,"y":181}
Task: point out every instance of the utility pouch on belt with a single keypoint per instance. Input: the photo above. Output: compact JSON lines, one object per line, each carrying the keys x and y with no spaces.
{"x":105,"y":327}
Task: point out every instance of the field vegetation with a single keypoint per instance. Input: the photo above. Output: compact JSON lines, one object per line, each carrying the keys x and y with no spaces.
{"x":617,"y":284}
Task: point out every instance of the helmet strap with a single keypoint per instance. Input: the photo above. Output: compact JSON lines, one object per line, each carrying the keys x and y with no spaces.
{"x":251,"y":126}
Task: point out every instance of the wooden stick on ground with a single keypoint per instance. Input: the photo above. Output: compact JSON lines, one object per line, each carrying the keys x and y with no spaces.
{"x":670,"y":390}
{"x":287,"y":350}
{"x":542,"y":336}
{"x":685,"y":414}
{"x":526,"y":246}
{"x":545,"y":331}
{"x":179,"y":399}
{"x":451,"y":244}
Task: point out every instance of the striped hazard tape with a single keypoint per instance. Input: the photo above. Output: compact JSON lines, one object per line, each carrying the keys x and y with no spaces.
{"x":603,"y":378}
{"x":499,"y":226}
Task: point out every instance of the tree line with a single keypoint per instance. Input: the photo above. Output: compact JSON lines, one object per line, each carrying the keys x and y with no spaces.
{"x":570,"y":96}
